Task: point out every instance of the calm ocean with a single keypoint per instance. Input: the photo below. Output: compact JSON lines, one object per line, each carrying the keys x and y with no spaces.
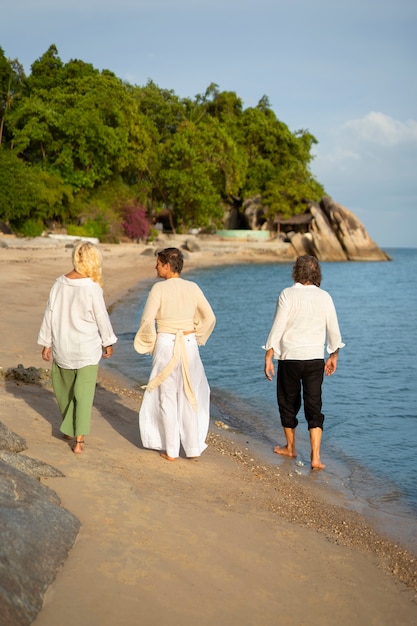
{"x":370,"y":431}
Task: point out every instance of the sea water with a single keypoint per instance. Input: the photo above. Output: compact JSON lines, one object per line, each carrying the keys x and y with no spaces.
{"x":370,"y":431}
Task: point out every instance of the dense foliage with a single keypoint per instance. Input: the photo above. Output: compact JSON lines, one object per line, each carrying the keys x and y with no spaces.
{"x":78,"y":146}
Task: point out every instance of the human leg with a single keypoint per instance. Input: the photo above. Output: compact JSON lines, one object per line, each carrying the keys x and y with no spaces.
{"x":194,"y":420}
{"x":315,"y":441}
{"x":312,"y":380}
{"x":84,"y":392}
{"x":289,"y":403}
{"x":289,"y":449}
{"x":63,"y":381}
{"x":158,"y":423}
{"x":168,"y":399}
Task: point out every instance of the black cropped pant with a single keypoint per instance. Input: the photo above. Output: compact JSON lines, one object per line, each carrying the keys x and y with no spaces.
{"x":294,"y":376}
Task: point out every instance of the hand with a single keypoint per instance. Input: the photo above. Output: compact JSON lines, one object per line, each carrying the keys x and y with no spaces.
{"x":46,"y":354}
{"x":107,"y":352}
{"x":331,"y":364}
{"x":269,"y":367}
{"x":269,"y":370}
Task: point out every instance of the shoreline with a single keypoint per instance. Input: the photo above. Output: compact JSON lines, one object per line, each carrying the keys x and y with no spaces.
{"x":395,"y":522}
{"x":376,"y":532}
{"x":266,"y":496}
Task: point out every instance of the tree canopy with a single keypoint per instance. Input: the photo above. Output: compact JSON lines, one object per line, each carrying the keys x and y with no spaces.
{"x":80,"y":144}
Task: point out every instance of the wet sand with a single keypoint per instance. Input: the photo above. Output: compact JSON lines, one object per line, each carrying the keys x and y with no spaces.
{"x":227,"y":539}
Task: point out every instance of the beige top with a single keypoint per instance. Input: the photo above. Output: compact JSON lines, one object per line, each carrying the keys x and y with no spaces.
{"x":178,"y":307}
{"x":175,"y":304}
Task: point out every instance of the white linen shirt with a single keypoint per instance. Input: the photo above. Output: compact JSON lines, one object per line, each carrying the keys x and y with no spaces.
{"x":76,"y":323}
{"x":305,"y":317}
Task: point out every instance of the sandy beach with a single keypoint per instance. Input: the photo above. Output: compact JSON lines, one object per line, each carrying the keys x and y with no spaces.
{"x":222,"y":540}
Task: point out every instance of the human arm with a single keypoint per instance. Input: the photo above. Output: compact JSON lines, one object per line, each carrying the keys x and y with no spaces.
{"x":204,"y":319}
{"x":269,"y":365}
{"x":144,"y":341}
{"x":279,"y":325}
{"x":45,"y":333}
{"x":46,"y":353}
{"x":331,"y":363}
{"x":104,"y":326}
{"x":334,"y":338}
{"x":107,"y":352}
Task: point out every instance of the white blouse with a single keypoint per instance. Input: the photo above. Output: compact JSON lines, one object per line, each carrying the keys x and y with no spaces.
{"x":76,"y":323}
{"x":305,"y":318}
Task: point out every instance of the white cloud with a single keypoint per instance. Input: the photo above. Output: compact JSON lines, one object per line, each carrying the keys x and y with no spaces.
{"x":368,"y":165}
{"x":380,"y":129}
{"x":341,"y":154}
{"x":375,"y":140}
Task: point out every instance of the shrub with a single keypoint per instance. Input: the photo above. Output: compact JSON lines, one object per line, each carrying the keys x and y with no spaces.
{"x":31,"y":228}
{"x":97,"y":227}
{"x":135,"y":222}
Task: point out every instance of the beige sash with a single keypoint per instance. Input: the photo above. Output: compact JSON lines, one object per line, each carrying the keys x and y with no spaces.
{"x":179,"y":351}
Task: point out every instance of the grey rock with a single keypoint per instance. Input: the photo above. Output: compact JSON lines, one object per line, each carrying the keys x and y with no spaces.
{"x":352,"y":235}
{"x":191,"y":246}
{"x":326,"y":242}
{"x":29,"y":466}
{"x":30,"y":375}
{"x":335,"y":234}
{"x":36,"y":536}
{"x":149,"y":252}
{"x":11,"y":441}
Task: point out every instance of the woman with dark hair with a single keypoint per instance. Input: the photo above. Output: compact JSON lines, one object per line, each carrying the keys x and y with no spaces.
{"x":175,"y":409}
{"x":76,"y":332}
{"x":305,"y":318}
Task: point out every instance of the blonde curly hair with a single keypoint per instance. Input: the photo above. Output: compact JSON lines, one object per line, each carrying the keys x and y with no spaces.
{"x":87,"y":261}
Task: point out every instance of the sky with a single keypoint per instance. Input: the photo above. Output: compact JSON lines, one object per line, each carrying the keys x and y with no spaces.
{"x":345,"y":70}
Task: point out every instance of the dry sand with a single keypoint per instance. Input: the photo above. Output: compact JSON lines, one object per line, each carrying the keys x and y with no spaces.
{"x":223,"y":540}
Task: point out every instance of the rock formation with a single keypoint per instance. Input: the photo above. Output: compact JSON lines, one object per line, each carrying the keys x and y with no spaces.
{"x":36,"y":531}
{"x":326,"y":230}
{"x":336,"y":234}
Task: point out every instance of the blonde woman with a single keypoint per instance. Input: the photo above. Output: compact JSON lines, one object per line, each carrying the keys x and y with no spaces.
{"x":76,"y":332}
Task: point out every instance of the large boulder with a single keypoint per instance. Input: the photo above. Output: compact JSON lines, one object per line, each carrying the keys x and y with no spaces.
{"x":351,"y":233}
{"x":11,"y":441}
{"x":335,"y":234}
{"x":326,"y":244}
{"x":36,"y":532}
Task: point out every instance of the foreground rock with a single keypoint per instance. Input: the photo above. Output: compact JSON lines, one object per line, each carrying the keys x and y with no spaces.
{"x":36,"y":532}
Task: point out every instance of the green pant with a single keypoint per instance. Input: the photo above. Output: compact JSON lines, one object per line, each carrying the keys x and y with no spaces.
{"x":74,"y":391}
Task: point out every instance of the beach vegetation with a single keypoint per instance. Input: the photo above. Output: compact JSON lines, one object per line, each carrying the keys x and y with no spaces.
{"x":76,"y":141}
{"x":135,"y":222}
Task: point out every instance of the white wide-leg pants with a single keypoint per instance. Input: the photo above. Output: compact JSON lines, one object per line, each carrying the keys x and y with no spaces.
{"x":167,"y":420}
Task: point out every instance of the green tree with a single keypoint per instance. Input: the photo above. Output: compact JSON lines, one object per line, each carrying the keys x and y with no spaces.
{"x":87,"y":130}
{"x":12,"y":80}
{"x":29,"y":194}
{"x":72,"y":127}
{"x":201,"y":170}
{"x":46,"y":72}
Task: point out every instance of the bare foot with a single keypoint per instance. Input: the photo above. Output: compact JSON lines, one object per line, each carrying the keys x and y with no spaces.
{"x":285,"y":451}
{"x":317,"y":465}
{"x":78,"y":446}
{"x":166,"y":457}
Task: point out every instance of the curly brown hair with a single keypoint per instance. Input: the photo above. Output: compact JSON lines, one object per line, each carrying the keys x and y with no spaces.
{"x":307,"y":270}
